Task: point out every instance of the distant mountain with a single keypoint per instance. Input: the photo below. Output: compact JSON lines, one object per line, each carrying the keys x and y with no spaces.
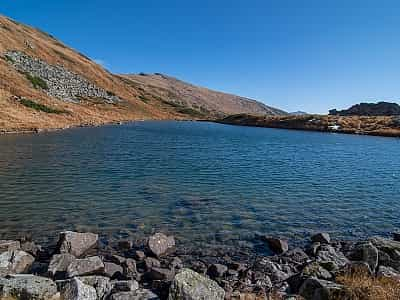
{"x":45,"y":84}
{"x":199,"y":99}
{"x":298,"y":113}
{"x":369,"y":109}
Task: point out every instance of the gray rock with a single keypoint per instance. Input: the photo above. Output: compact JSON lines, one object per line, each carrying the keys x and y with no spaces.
{"x":140,"y":294}
{"x":75,"y":289}
{"x":159,"y":274}
{"x":86,"y":266}
{"x":314,"y":269}
{"x":76,"y":243}
{"x":278,"y":246}
{"x":189,"y":285}
{"x":368,"y":254}
{"x":30,"y":287}
{"x":58,"y":265}
{"x":113,"y":270}
{"x":159,"y":244}
{"x":101,"y":284}
{"x":387,"y":272}
{"x":396,"y":236}
{"x":150,"y":262}
{"x":130,"y":270}
{"x":31,"y":248}
{"x":217,"y":270}
{"x":331,"y":259}
{"x":15,"y":262}
{"x":139,"y":255}
{"x":7,"y":245}
{"x":322,"y":238}
{"x":317,"y":289}
{"x":125,"y":286}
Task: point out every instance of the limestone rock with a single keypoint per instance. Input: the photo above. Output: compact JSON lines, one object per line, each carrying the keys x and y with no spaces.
{"x":190,"y":285}
{"x":75,"y":289}
{"x":160,"y":244}
{"x":59,"y":264}
{"x":101,"y":284}
{"x":15,"y":262}
{"x":113,"y":270}
{"x":86,"y":266}
{"x":76,"y":243}
{"x":32,"y":287}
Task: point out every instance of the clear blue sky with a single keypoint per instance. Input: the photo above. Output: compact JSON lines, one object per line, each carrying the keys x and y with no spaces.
{"x":295,"y":55}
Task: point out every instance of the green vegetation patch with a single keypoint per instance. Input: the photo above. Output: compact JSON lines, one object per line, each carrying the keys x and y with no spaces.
{"x":40,"y":107}
{"x":37,"y":82}
{"x":9,"y":59}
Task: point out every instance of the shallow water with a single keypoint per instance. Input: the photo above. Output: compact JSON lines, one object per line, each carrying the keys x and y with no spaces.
{"x":207,"y":183}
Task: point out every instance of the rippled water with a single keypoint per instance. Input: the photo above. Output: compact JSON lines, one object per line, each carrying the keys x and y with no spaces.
{"x":204,"y":182}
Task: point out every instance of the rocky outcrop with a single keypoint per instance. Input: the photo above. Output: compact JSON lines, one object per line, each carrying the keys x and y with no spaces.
{"x":369,"y":109}
{"x":58,"y":81}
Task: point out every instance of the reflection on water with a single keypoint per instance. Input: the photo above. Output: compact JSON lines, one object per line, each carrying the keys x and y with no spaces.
{"x":205,"y":182}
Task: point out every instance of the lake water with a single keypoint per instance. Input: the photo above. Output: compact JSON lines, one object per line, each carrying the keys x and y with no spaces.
{"x":206,"y":183}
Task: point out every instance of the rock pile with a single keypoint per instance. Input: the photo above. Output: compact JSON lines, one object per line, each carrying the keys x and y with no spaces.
{"x":61,"y":83}
{"x":78,"y":268}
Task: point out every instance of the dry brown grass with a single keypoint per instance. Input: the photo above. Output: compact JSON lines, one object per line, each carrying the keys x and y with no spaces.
{"x":362,"y":286}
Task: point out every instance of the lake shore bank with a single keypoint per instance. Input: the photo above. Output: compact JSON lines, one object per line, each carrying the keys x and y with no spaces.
{"x":158,"y":268}
{"x":360,"y":125}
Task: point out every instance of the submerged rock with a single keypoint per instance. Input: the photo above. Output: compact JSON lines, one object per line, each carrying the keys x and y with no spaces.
{"x":24,"y":287}
{"x":76,"y":243}
{"x":190,"y":285}
{"x":159,"y":244}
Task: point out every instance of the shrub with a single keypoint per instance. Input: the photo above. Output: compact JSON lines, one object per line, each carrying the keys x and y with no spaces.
{"x":37,"y":82}
{"x":40,"y":107}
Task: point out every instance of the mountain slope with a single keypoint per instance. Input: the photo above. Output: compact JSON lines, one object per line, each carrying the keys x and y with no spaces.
{"x":200,"y":99}
{"x":44,"y":85}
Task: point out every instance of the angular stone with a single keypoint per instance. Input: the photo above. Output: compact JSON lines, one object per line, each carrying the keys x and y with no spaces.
{"x":116,"y":259}
{"x":151,"y":262}
{"x":86,"y":266}
{"x":330,"y":259}
{"x":28,"y":287}
{"x":159,"y":274}
{"x":76,"y":243}
{"x":140,"y":294}
{"x":314,"y":269}
{"x":387,"y":272}
{"x":112,"y":270}
{"x":369,"y":254}
{"x":190,"y":285}
{"x":101,"y":284}
{"x":75,"y":289}
{"x":130,"y":270}
{"x":317,"y":289}
{"x":15,"y":262}
{"x":125,"y":286}
{"x":58,"y":265}
{"x":278,"y":246}
{"x":31,"y":248}
{"x":322,"y":237}
{"x":159,"y":244}
{"x":7,"y":245}
{"x":139,"y":255}
{"x":217,"y":270}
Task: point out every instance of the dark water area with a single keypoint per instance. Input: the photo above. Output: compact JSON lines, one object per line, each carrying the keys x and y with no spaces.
{"x":206,"y":183}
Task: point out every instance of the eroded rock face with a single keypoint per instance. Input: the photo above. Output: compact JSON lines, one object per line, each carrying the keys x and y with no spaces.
{"x":76,"y":243}
{"x":15,"y":262}
{"x":190,"y":285}
{"x":62,"y":83}
{"x":159,"y":244}
{"x":75,"y":289}
{"x":28,"y":287}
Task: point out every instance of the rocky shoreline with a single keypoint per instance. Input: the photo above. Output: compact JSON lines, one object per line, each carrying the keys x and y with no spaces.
{"x":155,"y":268}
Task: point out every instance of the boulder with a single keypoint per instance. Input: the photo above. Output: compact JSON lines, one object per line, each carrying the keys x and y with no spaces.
{"x":159,"y":244}
{"x":124,"y":286}
{"x":317,"y":289}
{"x":59,"y":264}
{"x":130,"y":270}
{"x":113,"y":270}
{"x":75,"y":289}
{"x":276,"y":245}
{"x":190,"y":285}
{"x":387,"y":272}
{"x":15,"y":262}
{"x":31,"y":248}
{"x":87,"y":266}
{"x":322,"y":238}
{"x":159,"y":274}
{"x":314,"y":269}
{"x":140,"y":294}
{"x":7,"y":245}
{"x":367,"y":253}
{"x":23,"y":287}
{"x":217,"y":270}
{"x":101,"y":284}
{"x":331,"y":259}
{"x":76,"y":243}
{"x":150,"y":262}
{"x":139,"y":255}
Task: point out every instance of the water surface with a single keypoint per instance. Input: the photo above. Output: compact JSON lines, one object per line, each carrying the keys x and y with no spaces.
{"x":206,"y":183}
